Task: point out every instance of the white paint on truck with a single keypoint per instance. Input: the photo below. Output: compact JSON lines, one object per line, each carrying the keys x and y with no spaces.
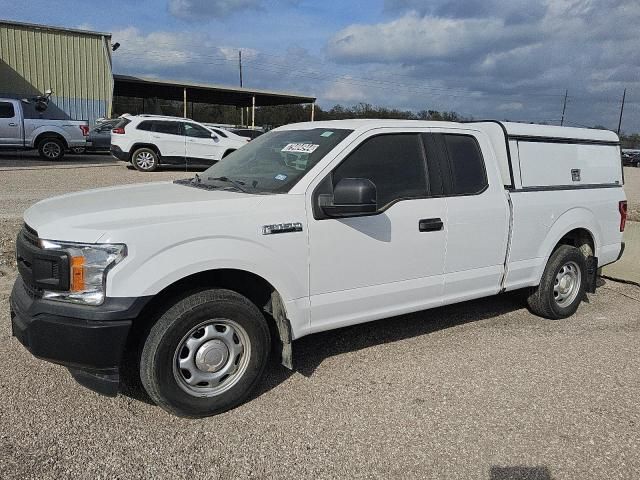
{"x":379,"y":218}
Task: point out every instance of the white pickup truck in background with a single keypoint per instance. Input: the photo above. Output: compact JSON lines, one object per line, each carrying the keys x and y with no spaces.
{"x":50,"y":137}
{"x":311,"y":227}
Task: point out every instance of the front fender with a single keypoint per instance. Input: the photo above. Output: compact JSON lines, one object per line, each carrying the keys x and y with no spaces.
{"x":138,"y":276}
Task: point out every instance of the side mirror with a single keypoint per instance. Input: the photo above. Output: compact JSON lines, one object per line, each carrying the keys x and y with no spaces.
{"x":351,"y":197}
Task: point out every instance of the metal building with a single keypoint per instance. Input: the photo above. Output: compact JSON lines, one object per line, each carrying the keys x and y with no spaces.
{"x":74,"y":64}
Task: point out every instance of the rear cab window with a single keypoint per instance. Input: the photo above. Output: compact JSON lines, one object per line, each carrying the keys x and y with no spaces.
{"x":455,"y":164}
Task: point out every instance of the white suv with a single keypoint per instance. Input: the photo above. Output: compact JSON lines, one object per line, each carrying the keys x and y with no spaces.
{"x":149,"y":141}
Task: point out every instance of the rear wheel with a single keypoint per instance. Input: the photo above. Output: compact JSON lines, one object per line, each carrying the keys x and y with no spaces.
{"x":51,"y":148}
{"x":205,"y":354}
{"x":562,"y":286}
{"x":145,"y":160}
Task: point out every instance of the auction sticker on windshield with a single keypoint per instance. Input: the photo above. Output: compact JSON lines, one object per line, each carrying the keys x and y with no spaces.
{"x":300,"y":148}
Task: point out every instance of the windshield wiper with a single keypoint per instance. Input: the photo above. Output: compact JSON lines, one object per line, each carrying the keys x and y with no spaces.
{"x":236,"y":183}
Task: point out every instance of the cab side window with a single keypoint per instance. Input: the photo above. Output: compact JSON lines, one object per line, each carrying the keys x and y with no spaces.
{"x":196,"y":131}
{"x":467,"y":165}
{"x":170,"y":128}
{"x":455,"y":164}
{"x":393,"y":162}
{"x":6,"y":110}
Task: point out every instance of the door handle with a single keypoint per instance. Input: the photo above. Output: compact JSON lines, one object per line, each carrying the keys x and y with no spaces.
{"x":13,"y":124}
{"x":430,"y":225}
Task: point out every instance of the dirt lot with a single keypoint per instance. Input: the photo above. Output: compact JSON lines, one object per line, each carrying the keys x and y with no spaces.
{"x":478,"y":390}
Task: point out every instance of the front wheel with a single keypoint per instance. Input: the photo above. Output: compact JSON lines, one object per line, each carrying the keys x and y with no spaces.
{"x":562,"y":286}
{"x":205,"y":354}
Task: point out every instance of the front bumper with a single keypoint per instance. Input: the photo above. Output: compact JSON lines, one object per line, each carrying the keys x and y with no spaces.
{"x":117,"y":152}
{"x":89,"y":340}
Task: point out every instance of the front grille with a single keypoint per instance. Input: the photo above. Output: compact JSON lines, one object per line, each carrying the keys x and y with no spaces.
{"x":40,"y":268}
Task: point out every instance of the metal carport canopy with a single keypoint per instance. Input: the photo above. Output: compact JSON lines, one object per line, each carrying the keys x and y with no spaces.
{"x":127,"y":86}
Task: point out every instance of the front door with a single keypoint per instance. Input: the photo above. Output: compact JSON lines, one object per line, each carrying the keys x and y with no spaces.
{"x":202,"y":148}
{"x":369,"y":267}
{"x":10,"y":125}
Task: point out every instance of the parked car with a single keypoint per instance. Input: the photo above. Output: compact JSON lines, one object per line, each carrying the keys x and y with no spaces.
{"x":52,"y":138}
{"x":311,"y":227}
{"x":250,"y":133}
{"x":631,"y":158}
{"x":225,"y":133}
{"x":99,"y":139}
{"x":150,"y":141}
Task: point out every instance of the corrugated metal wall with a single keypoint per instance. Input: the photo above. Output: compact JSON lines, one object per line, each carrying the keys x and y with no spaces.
{"x":75,"y":65}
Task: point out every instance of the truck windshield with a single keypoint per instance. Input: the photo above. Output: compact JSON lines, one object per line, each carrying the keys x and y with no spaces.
{"x":274,"y":162}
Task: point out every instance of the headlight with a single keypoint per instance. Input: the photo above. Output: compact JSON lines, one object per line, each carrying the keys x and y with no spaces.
{"x":88,"y":267}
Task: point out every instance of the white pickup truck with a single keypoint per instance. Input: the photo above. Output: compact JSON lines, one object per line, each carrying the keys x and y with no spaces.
{"x":311,"y":227}
{"x":50,"y":137}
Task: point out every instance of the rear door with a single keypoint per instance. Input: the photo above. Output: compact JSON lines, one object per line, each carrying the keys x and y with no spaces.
{"x":202,"y":148}
{"x":169,"y":137}
{"x":477,"y":212}
{"x":10,"y":125}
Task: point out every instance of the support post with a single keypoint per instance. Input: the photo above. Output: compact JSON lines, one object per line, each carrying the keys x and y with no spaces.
{"x":313,"y":111}
{"x":253,"y":111}
{"x":184,"y":102}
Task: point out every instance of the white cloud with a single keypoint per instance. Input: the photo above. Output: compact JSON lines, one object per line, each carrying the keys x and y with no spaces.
{"x":203,"y":9}
{"x":414,"y":38}
{"x":345,"y":93}
{"x":511,"y":106}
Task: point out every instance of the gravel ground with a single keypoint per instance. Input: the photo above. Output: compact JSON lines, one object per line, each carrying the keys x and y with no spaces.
{"x":632,"y":189}
{"x":481,"y":389}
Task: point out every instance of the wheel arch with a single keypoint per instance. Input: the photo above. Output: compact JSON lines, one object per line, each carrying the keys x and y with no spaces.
{"x":576,"y":227}
{"x":50,"y":134}
{"x":139,"y":145}
{"x":257,"y":289}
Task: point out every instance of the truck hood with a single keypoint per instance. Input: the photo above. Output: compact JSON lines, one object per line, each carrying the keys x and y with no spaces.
{"x":87,"y":216}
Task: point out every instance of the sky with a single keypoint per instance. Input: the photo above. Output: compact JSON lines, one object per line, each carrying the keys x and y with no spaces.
{"x":502,"y":59}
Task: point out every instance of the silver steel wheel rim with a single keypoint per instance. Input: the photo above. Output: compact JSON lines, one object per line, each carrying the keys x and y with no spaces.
{"x":566,"y":285}
{"x":145,"y":160}
{"x":211,"y":358}
{"x":51,"y":150}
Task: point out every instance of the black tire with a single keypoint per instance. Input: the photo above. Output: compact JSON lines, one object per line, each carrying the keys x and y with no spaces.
{"x":546,"y":299}
{"x":51,"y":148}
{"x":145,"y":160}
{"x":164,"y":380}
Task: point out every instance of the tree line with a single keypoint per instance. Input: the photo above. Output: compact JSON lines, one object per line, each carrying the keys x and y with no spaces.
{"x":275,"y":116}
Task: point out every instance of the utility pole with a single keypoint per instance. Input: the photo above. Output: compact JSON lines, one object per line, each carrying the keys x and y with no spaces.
{"x":564,"y":107}
{"x":624,"y":94}
{"x":240,"y":67}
